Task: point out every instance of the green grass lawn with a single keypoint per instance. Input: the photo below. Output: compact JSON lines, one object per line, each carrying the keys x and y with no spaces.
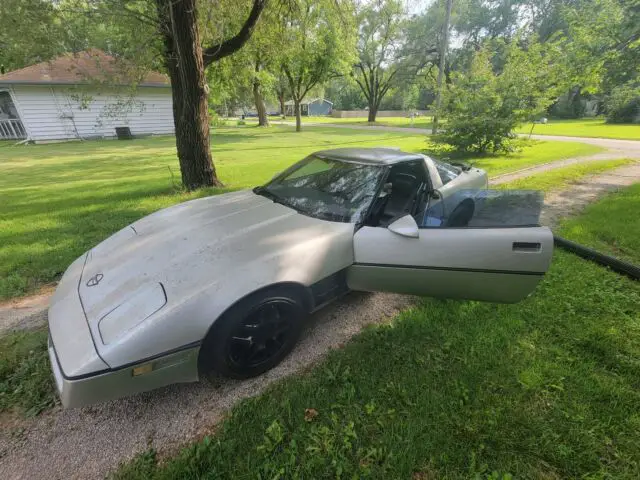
{"x":533,"y":153}
{"x":59,"y":200}
{"x":544,"y":389}
{"x":418,"y":122}
{"x":586,"y":127}
{"x":560,"y":178}
{"x":610,"y":226}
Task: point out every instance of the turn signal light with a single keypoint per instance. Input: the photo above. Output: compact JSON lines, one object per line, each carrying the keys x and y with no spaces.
{"x":142,"y":369}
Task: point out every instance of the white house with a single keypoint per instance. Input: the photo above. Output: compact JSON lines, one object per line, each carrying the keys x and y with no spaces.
{"x":82,"y":95}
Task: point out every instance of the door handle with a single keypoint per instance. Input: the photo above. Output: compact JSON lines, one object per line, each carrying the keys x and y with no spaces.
{"x":526,"y":246}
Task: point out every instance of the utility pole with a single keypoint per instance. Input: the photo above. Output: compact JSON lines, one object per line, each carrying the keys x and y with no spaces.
{"x":444,"y":45}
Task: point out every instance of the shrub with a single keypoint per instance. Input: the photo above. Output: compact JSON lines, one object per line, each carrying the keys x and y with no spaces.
{"x":623,"y":105}
{"x":482,"y":107}
{"x":216,"y":120}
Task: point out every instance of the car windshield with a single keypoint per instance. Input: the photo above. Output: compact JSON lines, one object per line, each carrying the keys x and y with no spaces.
{"x":325,"y":188}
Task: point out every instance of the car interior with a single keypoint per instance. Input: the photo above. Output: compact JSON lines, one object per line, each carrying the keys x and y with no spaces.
{"x":403,"y":193}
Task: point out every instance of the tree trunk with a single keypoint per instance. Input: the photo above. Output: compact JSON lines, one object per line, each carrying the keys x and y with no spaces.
{"x":258,"y":99}
{"x":373,"y":111}
{"x":444,"y":45}
{"x":263,"y":119}
{"x":183,"y":58}
{"x":281,"y":98}
{"x":298,"y":117}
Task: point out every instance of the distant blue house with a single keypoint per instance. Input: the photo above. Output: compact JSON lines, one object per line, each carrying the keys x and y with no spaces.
{"x":310,"y":108}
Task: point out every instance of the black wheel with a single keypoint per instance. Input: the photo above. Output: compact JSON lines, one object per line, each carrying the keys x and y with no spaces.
{"x":253,"y":336}
{"x":461,"y":215}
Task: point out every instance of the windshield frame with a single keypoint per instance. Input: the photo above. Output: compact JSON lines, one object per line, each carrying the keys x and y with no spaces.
{"x":264,"y":191}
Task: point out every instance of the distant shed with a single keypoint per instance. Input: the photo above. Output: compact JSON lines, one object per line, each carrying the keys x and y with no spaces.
{"x":312,"y":107}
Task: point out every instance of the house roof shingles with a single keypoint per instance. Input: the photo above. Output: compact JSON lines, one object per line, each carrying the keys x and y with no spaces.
{"x":83,"y":68}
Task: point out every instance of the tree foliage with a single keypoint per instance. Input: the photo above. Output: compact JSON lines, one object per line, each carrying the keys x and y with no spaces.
{"x":380,"y":36}
{"x":623,"y":104}
{"x":318,"y":43}
{"x":482,"y":107}
{"x":392,"y":51}
{"x":33,"y":31}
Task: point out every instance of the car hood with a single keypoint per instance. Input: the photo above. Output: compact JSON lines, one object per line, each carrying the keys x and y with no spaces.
{"x":179,"y":251}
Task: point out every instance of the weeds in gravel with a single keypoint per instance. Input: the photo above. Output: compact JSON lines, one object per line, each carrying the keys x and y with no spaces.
{"x":26,"y":382}
{"x":142,"y":467}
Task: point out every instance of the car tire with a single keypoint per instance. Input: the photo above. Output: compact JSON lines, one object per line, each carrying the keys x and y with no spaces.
{"x":254,"y":335}
{"x":461,"y":215}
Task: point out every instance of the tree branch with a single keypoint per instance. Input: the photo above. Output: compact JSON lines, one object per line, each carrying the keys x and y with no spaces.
{"x":141,"y":17}
{"x":217,"y":52}
{"x":362,"y":88}
{"x":291,"y":81}
{"x":366,"y":91}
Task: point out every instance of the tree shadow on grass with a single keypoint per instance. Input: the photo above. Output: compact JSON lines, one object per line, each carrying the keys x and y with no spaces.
{"x":328,"y":143}
{"x":42,"y":253}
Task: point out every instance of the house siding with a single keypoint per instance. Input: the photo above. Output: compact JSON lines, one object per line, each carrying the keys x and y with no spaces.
{"x":319,"y":107}
{"x":61,"y":113}
{"x":314,"y":107}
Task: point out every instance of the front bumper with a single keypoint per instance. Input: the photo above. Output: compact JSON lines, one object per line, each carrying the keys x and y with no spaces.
{"x":174,"y":367}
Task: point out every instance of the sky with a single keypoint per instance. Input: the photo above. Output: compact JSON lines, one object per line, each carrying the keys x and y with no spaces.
{"x":417,"y":6}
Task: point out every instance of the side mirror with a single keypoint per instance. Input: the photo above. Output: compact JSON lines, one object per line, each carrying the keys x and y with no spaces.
{"x":405,"y":226}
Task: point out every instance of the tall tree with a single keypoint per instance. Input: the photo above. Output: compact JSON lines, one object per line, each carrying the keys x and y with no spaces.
{"x":444,"y":46}
{"x":381,"y":25}
{"x":185,"y":61}
{"x":281,"y":87}
{"x":318,"y":43}
{"x":258,"y":96}
{"x":387,"y":56}
{"x":263,"y":56}
{"x":176,"y":28}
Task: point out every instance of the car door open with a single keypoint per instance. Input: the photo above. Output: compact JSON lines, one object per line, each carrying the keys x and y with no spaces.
{"x":501,"y":263}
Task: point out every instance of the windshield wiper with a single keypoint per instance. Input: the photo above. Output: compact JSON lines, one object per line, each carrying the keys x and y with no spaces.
{"x":270,"y":195}
{"x":262,"y":190}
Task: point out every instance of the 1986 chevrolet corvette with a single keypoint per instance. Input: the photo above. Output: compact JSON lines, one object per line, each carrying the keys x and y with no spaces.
{"x":224,"y":283}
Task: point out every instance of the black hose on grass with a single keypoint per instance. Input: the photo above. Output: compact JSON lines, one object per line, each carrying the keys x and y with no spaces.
{"x":614,"y":264}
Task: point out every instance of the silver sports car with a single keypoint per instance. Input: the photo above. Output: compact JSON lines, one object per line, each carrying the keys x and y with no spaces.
{"x":224,"y":283}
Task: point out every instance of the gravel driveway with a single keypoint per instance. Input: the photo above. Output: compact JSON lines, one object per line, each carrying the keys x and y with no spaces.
{"x":89,"y":442}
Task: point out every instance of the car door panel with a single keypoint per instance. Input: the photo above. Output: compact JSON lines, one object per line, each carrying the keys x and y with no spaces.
{"x":492,"y":264}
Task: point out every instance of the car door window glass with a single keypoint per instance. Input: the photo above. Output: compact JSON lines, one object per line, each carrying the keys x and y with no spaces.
{"x":447,"y":171}
{"x":480,"y":208}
